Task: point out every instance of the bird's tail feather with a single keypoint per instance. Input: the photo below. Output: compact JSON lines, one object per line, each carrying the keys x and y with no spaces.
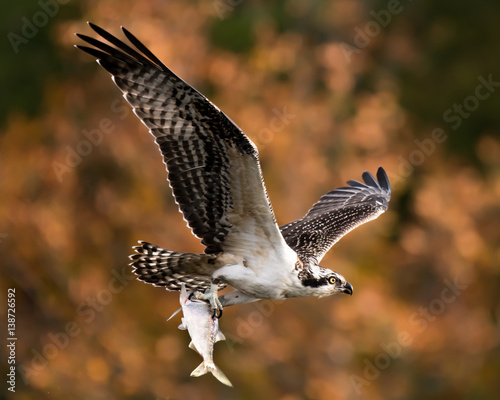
{"x":170,"y":269}
{"x":205,"y":367}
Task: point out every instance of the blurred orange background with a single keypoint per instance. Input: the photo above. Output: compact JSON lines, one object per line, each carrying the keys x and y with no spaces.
{"x":326,"y":90}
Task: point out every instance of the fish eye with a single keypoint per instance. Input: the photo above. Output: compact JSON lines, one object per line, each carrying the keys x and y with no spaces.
{"x":332,"y":280}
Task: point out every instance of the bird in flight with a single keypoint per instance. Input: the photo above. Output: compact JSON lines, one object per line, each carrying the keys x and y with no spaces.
{"x":216,"y":179}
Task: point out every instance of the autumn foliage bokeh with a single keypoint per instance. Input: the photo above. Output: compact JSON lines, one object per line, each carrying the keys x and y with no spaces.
{"x":325,"y":96}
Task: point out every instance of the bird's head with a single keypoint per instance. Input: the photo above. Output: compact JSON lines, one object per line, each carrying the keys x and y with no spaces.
{"x":321,"y":281}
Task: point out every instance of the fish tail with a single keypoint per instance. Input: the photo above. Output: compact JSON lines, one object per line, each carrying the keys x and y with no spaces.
{"x":205,"y":367}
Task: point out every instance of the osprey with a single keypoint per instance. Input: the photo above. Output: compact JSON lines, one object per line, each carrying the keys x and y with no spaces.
{"x":216,"y":179}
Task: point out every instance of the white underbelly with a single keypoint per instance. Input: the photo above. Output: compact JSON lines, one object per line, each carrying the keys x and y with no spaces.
{"x":260,"y":277}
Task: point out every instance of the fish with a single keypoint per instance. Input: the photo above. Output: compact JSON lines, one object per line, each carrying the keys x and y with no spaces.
{"x":203,"y":328}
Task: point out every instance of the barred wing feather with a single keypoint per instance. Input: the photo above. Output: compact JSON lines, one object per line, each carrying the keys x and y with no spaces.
{"x":337,"y":213}
{"x":213,"y":167}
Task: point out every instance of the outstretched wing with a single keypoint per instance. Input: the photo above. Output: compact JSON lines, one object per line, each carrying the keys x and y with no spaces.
{"x":337,"y":213}
{"x":213,"y":167}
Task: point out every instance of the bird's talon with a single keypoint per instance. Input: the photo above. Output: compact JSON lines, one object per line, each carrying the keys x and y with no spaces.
{"x":210,"y":296}
{"x":217,"y":313}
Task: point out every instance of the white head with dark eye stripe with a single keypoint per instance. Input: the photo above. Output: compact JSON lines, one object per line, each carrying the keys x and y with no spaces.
{"x":323,"y":282}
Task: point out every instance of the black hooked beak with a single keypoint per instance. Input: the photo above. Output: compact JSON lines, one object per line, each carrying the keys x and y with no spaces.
{"x":347,"y":288}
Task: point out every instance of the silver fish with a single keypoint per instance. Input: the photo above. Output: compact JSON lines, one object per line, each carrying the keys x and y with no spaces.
{"x":204,"y":331}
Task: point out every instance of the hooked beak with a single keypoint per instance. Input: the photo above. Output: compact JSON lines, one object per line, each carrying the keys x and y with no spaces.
{"x":347,"y":288}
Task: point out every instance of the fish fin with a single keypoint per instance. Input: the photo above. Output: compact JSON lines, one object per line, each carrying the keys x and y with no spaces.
{"x":220,"y":336}
{"x":175,"y":313}
{"x":183,"y":325}
{"x":193,"y":347}
{"x":204,"y":367}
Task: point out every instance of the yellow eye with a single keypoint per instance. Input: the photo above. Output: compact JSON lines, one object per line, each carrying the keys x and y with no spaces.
{"x":332,"y":280}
